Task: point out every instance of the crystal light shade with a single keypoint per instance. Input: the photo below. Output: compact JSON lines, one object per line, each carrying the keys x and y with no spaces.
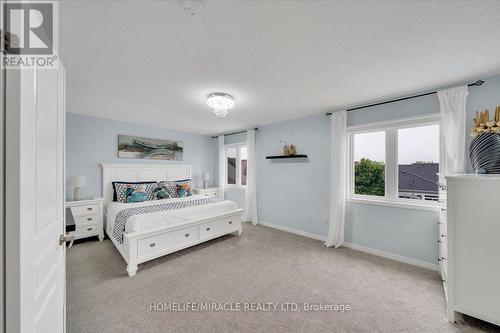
{"x":220,"y":103}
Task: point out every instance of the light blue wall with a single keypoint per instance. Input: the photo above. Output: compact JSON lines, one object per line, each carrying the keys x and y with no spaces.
{"x":406,"y":232}
{"x":91,"y":141}
{"x":295,"y":193}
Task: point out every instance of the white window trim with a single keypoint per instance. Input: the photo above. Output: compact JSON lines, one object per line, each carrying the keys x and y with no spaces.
{"x":391,"y":169}
{"x":238,"y":185}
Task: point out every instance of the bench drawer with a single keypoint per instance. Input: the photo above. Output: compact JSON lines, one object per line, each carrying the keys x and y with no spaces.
{"x":165,"y":241}
{"x":209,"y":229}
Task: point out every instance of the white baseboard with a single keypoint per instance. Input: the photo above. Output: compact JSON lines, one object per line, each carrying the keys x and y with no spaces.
{"x":392,"y":256}
{"x":361,"y":248}
{"x":293,"y":231}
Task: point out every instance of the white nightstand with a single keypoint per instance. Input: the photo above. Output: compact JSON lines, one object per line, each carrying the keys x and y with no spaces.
{"x":88,"y":215}
{"x":208,"y":192}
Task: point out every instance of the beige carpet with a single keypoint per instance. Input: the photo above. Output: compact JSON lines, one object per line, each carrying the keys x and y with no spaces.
{"x":264,"y":265}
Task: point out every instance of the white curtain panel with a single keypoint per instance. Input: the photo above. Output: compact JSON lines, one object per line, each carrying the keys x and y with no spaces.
{"x":452,"y":104}
{"x":338,"y":179}
{"x":251,"y":193}
{"x":222,"y":167}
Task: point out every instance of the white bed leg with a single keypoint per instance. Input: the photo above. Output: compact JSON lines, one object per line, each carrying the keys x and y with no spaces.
{"x":131,"y":270}
{"x":239,"y":232}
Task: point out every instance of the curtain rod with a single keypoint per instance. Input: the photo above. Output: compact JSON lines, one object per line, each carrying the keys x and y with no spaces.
{"x":475,"y":84}
{"x":234,"y":133}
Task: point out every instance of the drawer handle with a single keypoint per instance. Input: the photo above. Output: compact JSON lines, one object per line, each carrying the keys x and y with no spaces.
{"x":443,"y":258}
{"x":230,"y":222}
{"x":89,"y":219}
{"x":439,"y":259}
{"x":208,"y":229}
{"x":89,"y":208}
{"x":186,"y":235}
{"x":152,"y":245}
{"x":89,"y":229}
{"x":443,"y":236}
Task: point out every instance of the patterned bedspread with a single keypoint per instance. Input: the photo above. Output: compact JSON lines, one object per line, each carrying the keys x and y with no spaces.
{"x":125,"y":214}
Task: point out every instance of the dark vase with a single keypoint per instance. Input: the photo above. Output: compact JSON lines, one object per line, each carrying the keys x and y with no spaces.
{"x":484,"y":153}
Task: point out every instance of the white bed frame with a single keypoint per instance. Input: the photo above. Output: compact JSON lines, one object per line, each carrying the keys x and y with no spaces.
{"x":142,"y":246}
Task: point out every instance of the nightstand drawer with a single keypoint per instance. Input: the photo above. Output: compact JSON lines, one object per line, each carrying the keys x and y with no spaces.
{"x":83,"y":219}
{"x":86,"y":229}
{"x":85,"y":210}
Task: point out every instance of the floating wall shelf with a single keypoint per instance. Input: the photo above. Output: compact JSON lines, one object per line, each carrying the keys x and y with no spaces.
{"x":285,"y":157}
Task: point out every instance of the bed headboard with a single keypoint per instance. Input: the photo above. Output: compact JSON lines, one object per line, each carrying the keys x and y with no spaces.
{"x":125,"y":172}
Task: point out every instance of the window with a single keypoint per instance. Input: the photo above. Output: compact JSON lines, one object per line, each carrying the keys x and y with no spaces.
{"x":236,"y":165}
{"x":418,"y":163}
{"x":396,"y":161}
{"x":369,"y":163}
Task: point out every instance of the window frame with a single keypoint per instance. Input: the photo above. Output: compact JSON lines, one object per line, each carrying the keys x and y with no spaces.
{"x":238,"y":147}
{"x":391,"y":173}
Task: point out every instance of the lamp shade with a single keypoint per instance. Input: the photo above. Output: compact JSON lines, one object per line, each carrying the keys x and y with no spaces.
{"x":205,"y":176}
{"x":76,"y":181}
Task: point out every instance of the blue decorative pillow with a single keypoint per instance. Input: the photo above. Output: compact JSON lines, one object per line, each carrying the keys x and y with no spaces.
{"x":170,"y":186}
{"x":136,"y":194}
{"x":161,"y":192}
{"x":120,"y":188}
{"x":184,"y":188}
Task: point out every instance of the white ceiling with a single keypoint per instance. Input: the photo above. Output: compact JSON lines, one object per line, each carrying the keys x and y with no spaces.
{"x":151,"y":62}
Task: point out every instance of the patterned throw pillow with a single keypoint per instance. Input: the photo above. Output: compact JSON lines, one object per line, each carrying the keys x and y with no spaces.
{"x":120,"y":189}
{"x":170,"y":186}
{"x":161,"y":192}
{"x":184,"y":188}
{"x":136,"y":194}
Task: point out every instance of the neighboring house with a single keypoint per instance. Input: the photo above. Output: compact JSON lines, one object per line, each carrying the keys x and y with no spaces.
{"x":419,"y":181}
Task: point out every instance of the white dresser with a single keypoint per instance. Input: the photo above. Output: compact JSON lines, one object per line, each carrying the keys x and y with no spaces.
{"x":470,"y":246}
{"x":88,"y":215}
{"x":208,"y":192}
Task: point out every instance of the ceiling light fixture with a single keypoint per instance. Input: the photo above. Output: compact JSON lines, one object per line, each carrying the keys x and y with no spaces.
{"x":220,"y":103}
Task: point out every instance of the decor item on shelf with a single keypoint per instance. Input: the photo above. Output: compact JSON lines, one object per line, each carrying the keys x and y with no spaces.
{"x":76,"y":183}
{"x":484,"y":150}
{"x":153,"y":149}
{"x":206,"y":178}
{"x":293,"y":150}
{"x":286,"y":150}
{"x":483,"y":124}
{"x":484,"y":153}
{"x":220,"y":103}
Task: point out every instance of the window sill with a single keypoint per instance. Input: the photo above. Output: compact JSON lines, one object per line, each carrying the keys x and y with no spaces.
{"x":396,"y":204}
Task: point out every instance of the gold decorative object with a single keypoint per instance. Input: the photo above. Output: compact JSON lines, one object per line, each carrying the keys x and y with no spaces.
{"x":483,"y":124}
{"x":286,"y":150}
{"x":293,"y":150}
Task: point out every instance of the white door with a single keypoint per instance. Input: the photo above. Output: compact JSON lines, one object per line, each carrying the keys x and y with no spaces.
{"x":40,"y":204}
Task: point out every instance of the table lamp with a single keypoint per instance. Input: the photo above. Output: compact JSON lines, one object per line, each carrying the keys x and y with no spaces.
{"x":76,"y":182}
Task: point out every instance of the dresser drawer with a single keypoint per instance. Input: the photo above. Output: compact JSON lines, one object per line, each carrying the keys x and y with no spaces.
{"x":85,"y":210}
{"x":443,"y":233}
{"x":443,"y":250}
{"x":83,"y":219}
{"x":86,"y":229}
{"x":166,"y":241}
{"x":209,"y":229}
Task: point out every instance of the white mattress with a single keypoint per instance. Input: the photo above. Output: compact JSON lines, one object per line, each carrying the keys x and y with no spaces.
{"x":162,"y":219}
